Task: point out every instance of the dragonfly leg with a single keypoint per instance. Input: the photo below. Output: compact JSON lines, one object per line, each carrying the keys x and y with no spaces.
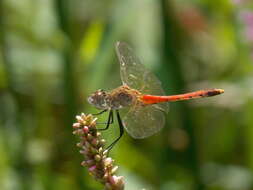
{"x":109,"y":121}
{"x":121,"y":130}
{"x":99,"y":113}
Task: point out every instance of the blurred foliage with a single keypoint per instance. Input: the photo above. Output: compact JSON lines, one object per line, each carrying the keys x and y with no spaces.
{"x":55,"y":53}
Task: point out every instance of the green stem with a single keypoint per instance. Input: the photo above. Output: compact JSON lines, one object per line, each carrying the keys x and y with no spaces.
{"x":69,"y":64}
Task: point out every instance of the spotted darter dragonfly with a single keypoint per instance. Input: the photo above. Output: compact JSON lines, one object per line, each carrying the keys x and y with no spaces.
{"x":141,"y":94}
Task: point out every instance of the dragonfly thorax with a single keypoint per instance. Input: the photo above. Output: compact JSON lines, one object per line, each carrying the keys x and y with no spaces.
{"x":118,"y":98}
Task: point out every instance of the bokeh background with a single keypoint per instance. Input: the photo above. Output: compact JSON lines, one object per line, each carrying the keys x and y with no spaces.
{"x":54,"y":53}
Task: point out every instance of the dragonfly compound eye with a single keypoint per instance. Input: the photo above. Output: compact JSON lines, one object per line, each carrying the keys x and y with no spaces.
{"x":91,"y":99}
{"x":98,"y":99}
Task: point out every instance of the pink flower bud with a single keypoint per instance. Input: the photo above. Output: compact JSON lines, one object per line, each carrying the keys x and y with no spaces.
{"x":79,"y":119}
{"x":76,"y":125}
{"x":108,"y":161}
{"x":92,"y":168}
{"x":85,"y":129}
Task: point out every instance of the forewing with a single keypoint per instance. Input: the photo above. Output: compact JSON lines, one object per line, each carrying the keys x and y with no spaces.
{"x":135,"y":75}
{"x":144,"y":121}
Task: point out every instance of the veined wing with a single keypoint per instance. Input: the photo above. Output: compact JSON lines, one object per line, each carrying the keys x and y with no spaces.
{"x":144,"y":121}
{"x":135,"y":75}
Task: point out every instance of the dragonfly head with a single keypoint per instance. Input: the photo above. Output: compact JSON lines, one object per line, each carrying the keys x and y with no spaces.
{"x":98,"y":99}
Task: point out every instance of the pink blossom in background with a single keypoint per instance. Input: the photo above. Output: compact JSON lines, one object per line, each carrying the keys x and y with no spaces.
{"x":247,"y":19}
{"x":249,"y":33}
{"x":246,"y":16}
{"x":237,"y":2}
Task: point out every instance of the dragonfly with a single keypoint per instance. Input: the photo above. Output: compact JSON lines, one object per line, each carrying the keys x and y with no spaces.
{"x":141,"y":94}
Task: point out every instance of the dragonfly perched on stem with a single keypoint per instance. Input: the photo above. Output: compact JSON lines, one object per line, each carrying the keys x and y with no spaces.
{"x":141,"y":92}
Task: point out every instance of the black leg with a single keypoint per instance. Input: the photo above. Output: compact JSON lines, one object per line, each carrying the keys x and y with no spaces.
{"x":109,"y":121}
{"x":99,"y":113}
{"x":121,"y":130}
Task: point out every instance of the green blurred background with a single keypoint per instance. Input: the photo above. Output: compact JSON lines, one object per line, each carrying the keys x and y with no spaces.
{"x":54,"y":53}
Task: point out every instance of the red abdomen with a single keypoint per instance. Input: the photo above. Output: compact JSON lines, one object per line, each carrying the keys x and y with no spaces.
{"x":151,"y":99}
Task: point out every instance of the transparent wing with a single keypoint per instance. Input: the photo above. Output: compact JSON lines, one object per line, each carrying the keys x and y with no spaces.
{"x":135,"y":75}
{"x":144,"y":121}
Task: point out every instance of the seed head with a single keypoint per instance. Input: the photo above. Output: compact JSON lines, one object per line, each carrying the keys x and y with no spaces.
{"x":96,"y":158}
